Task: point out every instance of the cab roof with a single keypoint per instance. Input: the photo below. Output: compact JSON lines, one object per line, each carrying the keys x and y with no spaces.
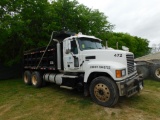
{"x":65,"y":34}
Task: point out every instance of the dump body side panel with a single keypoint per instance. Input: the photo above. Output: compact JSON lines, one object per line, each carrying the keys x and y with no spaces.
{"x":33,"y":59}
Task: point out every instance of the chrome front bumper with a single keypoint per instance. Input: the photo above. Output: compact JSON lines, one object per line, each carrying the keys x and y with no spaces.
{"x":130,"y":86}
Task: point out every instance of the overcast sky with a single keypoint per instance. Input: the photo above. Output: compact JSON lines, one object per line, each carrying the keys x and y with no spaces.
{"x":137,"y":17}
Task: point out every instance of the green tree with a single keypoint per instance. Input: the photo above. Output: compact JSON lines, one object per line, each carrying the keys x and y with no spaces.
{"x":137,"y":45}
{"x":21,"y":26}
{"x":70,"y":15}
{"x":28,"y":24}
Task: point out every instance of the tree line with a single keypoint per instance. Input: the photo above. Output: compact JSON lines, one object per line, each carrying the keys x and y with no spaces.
{"x":27,"y":24}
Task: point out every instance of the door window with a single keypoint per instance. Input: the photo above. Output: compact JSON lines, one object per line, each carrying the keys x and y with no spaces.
{"x":74,"y":49}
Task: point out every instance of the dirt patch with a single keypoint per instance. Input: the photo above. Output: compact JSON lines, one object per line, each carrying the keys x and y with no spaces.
{"x":127,"y":113}
{"x":151,"y":92}
{"x":4,"y":109}
{"x":20,"y":116}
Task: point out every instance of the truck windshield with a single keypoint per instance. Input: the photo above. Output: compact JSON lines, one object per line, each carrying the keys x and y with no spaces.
{"x":89,"y":43}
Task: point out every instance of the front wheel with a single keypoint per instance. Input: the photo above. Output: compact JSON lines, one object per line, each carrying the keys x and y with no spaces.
{"x":104,"y":91}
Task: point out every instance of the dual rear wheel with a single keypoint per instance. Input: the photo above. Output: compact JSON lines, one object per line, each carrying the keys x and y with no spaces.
{"x":33,"y":78}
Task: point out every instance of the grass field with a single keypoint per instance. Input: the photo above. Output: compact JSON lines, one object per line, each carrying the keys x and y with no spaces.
{"x":21,"y":102}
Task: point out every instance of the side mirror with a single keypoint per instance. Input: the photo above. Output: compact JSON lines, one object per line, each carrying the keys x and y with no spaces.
{"x":68,"y":51}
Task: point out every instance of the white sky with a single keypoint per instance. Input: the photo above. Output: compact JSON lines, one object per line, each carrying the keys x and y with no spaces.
{"x":137,"y":17}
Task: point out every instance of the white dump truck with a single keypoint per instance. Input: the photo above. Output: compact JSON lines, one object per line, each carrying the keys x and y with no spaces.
{"x":77,"y":61}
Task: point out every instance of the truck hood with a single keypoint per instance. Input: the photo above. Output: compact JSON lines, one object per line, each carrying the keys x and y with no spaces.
{"x":107,"y":60}
{"x":101,"y":55}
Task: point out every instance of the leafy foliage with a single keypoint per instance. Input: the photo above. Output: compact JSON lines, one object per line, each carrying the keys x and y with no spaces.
{"x":26,"y":24}
{"x":137,"y":45}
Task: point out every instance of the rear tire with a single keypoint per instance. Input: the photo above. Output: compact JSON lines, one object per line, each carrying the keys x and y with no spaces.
{"x":104,"y":91}
{"x":37,"y":80}
{"x":156,"y":72}
{"x":27,"y":77}
{"x":144,"y":71}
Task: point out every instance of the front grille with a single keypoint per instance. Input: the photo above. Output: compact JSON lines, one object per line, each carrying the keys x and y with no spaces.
{"x":130,"y":63}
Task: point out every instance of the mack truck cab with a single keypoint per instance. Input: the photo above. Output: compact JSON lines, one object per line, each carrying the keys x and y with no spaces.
{"x":81,"y":62}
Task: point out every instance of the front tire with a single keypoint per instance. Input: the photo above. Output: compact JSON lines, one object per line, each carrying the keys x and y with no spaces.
{"x":104,"y":91}
{"x":37,"y":80}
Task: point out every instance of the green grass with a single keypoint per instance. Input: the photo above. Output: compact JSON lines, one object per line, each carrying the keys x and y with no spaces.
{"x":22,"y":102}
{"x":148,"y":100}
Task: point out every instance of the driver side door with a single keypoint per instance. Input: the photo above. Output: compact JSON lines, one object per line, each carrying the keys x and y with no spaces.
{"x":71,"y":56}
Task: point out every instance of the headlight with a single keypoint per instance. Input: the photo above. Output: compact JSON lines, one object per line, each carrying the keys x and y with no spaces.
{"x":120,"y":73}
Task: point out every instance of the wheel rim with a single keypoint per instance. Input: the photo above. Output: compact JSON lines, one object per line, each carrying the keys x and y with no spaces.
{"x":25,"y":78}
{"x":157,"y":72}
{"x":102,"y":92}
{"x":34,"y":80}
